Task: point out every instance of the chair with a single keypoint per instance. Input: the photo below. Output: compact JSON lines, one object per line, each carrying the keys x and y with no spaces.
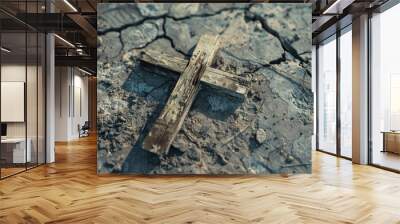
{"x":84,"y":130}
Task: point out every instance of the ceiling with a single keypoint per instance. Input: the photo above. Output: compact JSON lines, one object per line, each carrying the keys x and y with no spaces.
{"x":332,"y":15}
{"x":76,"y":21}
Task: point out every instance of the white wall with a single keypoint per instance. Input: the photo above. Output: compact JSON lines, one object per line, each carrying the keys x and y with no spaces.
{"x":70,"y":83}
{"x":81,"y":94}
{"x":13,"y":101}
{"x":13,"y":72}
{"x":62,"y":81}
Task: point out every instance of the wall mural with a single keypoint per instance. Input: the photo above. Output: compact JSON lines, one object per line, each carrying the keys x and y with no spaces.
{"x":204,"y":88}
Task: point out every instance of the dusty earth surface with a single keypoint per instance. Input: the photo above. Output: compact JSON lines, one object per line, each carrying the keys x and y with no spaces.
{"x":267,"y":131}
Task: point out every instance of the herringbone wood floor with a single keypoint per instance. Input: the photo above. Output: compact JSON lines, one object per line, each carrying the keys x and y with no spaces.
{"x":69,"y":191}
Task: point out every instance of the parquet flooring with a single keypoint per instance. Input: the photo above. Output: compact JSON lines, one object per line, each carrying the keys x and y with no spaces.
{"x":70,"y":191}
{"x":10,"y":171}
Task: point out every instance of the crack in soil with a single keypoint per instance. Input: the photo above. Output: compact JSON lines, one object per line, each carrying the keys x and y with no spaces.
{"x":284,"y":41}
{"x":165,"y":16}
{"x":287,"y":47}
{"x":164,"y":35}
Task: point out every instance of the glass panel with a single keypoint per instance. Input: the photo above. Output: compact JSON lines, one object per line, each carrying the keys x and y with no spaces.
{"x":346,"y":94}
{"x":31,"y":87}
{"x":385,"y":93}
{"x":327,"y":96}
{"x":13,"y":87}
{"x":41,"y":99}
{"x":23,"y":90}
{"x":314,"y":87}
{"x":31,"y":98}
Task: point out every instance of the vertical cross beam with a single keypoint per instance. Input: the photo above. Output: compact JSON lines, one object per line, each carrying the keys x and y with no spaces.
{"x":168,"y":124}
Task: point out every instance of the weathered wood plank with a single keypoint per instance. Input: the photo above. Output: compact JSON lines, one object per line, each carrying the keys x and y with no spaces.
{"x":234,"y":84}
{"x":178,"y":65}
{"x":167,"y":125}
{"x":229,"y":83}
{"x":166,"y":61}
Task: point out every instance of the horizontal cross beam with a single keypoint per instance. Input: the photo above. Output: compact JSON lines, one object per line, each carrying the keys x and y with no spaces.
{"x":227,"y":82}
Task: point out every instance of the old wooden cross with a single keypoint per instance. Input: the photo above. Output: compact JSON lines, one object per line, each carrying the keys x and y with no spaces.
{"x":193,"y":72}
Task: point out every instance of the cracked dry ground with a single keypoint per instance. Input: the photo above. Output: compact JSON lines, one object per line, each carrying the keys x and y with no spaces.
{"x":269,"y":131}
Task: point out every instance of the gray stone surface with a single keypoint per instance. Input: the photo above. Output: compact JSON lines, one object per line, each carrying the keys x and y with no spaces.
{"x":269,"y":131}
{"x":261,"y":136}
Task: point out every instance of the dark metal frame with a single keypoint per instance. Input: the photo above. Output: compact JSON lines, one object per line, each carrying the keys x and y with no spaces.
{"x":45,"y":89}
{"x":338,"y":98}
{"x":316,"y":97}
{"x":369,"y":103}
{"x":44,"y":79}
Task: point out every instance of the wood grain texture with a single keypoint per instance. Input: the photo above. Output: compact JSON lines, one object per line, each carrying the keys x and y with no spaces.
{"x":233,"y":84}
{"x":220,"y":80}
{"x":69,"y":191}
{"x":155,"y":58}
{"x":169,"y":122}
